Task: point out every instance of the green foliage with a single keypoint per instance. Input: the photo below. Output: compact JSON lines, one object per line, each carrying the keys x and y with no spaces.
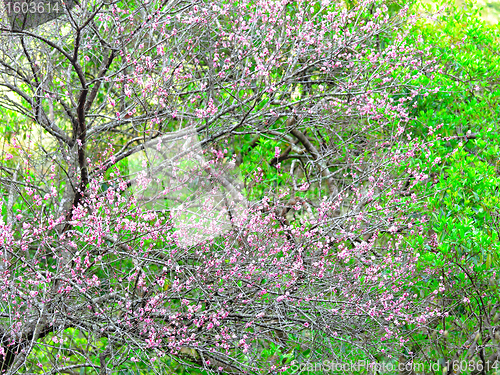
{"x":462,"y":193}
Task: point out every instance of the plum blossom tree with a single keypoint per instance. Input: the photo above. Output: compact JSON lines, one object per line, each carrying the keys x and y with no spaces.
{"x":96,"y":272}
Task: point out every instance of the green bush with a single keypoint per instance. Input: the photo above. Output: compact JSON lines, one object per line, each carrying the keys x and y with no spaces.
{"x":462,"y":204}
